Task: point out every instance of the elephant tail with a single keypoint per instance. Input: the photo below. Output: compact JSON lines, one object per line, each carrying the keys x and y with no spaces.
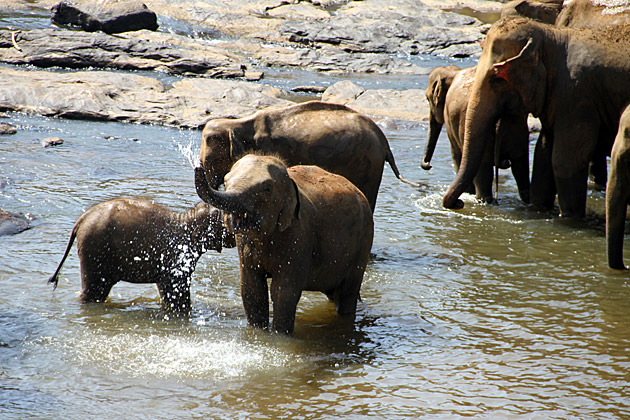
{"x":54,"y":279}
{"x":392,"y":164}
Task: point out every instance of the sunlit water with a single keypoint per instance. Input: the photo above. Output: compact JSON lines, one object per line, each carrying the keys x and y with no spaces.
{"x":491,"y":312}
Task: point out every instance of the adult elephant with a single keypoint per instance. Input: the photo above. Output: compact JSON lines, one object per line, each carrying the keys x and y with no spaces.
{"x":330,"y":136}
{"x":448,"y":93}
{"x":618,"y":193}
{"x":588,"y":13}
{"x":304,"y":227}
{"x":545,"y":11}
{"x":575,"y":81}
{"x":137,"y":241}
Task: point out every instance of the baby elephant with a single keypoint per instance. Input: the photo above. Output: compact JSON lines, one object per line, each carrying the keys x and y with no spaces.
{"x":137,"y":241}
{"x":303,"y":227}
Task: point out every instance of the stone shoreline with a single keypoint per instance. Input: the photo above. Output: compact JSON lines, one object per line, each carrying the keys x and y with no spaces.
{"x":320,"y":36}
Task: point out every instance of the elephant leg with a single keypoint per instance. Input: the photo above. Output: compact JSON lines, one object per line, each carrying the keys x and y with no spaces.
{"x":456,"y":155}
{"x":347,"y":295}
{"x":255,"y":295}
{"x":483,"y":183}
{"x":572,"y":194}
{"x":285,"y":294}
{"x":543,"y":187}
{"x":96,"y":280}
{"x":175,"y":293}
{"x":598,"y":170}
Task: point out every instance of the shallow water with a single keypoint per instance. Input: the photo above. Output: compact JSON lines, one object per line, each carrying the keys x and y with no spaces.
{"x":494,"y":311}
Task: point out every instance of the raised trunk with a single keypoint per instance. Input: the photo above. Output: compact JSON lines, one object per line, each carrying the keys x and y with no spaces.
{"x":435,"y":128}
{"x":481,"y":118}
{"x":225,"y":201}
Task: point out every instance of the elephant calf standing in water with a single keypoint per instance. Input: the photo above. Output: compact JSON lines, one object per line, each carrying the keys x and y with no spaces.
{"x":304,"y":227}
{"x":618,"y":193}
{"x":137,"y":241}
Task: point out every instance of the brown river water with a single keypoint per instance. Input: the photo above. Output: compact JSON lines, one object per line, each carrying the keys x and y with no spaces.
{"x":494,"y":311}
{"x":491,"y":312}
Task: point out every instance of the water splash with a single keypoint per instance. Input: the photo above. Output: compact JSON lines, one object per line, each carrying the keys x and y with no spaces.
{"x":189,"y":151}
{"x":184,"y":356}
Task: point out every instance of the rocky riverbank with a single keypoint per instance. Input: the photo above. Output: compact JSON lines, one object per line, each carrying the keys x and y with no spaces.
{"x":229,"y":39}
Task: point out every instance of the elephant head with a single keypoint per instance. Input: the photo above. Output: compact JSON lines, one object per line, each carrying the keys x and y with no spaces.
{"x":618,"y":193}
{"x":440,"y":81}
{"x":511,"y":78}
{"x":259,"y":196}
{"x":223,"y":141}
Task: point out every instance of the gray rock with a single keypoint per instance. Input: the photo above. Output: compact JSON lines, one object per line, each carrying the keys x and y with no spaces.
{"x":12,"y":223}
{"x":143,"y":51}
{"x":7,"y":129}
{"x":52,"y":141}
{"x":110,"y":96}
{"x":109,"y":16}
{"x":342,"y":92}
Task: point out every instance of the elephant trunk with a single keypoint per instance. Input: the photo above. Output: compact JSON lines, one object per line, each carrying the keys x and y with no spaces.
{"x":481,"y":120}
{"x":225,"y":201}
{"x":615,"y":223}
{"x":435,"y":127}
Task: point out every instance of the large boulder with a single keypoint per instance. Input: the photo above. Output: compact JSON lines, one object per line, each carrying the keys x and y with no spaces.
{"x":109,"y":16}
{"x":12,"y":223}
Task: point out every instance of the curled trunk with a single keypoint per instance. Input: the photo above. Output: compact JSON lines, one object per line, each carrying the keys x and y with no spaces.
{"x":222,"y":200}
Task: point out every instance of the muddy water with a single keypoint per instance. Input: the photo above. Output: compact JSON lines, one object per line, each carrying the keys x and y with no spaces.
{"x":492,"y":311}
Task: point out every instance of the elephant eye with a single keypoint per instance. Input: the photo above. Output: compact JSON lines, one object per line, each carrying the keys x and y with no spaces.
{"x":267,"y":187}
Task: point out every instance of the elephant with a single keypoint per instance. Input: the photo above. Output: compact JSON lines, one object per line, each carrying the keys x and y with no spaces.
{"x":303,"y":227}
{"x":447,"y":94}
{"x":545,"y":11}
{"x":618,"y":193}
{"x":137,"y":241}
{"x":587,"y":13}
{"x":575,"y":81}
{"x":330,"y":136}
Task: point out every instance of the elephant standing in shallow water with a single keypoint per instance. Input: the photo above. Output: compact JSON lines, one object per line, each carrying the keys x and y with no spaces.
{"x":575,"y":81}
{"x":330,"y":136}
{"x":305,"y":228}
{"x":137,"y":241}
{"x":448,"y":93}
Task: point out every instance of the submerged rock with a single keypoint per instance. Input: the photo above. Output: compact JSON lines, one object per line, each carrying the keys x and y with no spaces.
{"x":12,"y":223}
{"x":109,"y":16}
{"x":7,"y":129}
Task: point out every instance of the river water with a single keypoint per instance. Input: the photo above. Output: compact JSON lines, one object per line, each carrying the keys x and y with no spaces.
{"x":494,"y":311}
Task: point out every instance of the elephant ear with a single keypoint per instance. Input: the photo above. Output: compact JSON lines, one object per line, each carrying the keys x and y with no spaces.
{"x":290,"y":210}
{"x":526,"y":74}
{"x":237,"y":145}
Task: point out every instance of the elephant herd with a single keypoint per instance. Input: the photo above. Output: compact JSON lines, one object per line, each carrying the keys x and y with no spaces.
{"x":301,"y":182}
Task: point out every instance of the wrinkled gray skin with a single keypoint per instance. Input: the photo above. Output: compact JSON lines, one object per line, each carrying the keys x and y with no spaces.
{"x":618,"y":193}
{"x":448,"y":93}
{"x":330,"y":136}
{"x":575,"y":81}
{"x":303,"y":227}
{"x":137,"y":241}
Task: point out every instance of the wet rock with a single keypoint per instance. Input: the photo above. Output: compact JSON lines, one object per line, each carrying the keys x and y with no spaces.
{"x":410,"y":105}
{"x":7,"y":129}
{"x":110,"y":96}
{"x":52,"y":141}
{"x":342,"y":92}
{"x":143,"y":51}
{"x":309,"y":89}
{"x":109,"y":16}
{"x":384,"y":26}
{"x":12,"y":223}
